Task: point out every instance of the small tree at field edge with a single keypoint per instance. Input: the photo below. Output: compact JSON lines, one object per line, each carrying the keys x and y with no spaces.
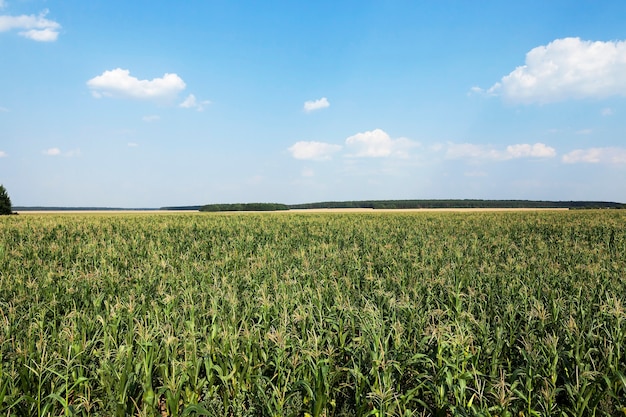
{"x":5,"y":201}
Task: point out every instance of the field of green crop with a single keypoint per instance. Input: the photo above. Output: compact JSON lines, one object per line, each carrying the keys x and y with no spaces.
{"x":405,"y":314}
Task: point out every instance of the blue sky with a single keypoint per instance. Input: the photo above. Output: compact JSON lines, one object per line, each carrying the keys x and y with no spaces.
{"x":149,"y":104}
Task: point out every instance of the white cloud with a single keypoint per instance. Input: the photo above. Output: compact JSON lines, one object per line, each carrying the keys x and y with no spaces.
{"x":119,"y":83}
{"x":57,"y":152}
{"x":584,"y":132}
{"x":567,"y":68}
{"x":191,"y":103}
{"x":610,"y":155}
{"x":44,"y":35}
{"x":473,"y":151}
{"x":313,"y":105}
{"x":35,"y":27}
{"x":133,"y":145}
{"x":538,"y":150}
{"x":377,"y":143}
{"x":308,"y":173}
{"x":318,"y":151}
{"x":151,"y":118}
{"x":3,"y":154}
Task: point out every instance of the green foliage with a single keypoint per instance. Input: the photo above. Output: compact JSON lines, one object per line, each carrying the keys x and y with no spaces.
{"x":244,"y":207}
{"x":485,"y":314}
{"x":466,"y":204}
{"x":5,"y":201}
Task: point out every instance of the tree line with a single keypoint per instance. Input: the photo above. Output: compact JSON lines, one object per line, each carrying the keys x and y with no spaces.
{"x":420,"y":204}
{"x":245,"y":207}
{"x":413,"y":204}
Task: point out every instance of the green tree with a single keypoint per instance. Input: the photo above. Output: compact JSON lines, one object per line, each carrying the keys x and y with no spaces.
{"x":5,"y":201}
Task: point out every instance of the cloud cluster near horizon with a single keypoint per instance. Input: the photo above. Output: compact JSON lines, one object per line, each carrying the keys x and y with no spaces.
{"x":568,"y":68}
{"x":609,"y":155}
{"x":483,"y":152}
{"x":34,"y":27}
{"x":370,"y":144}
{"x":378,"y":144}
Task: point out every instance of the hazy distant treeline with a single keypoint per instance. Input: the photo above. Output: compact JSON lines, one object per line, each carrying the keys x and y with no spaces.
{"x":412,"y":204}
{"x":415,"y":204}
{"x":245,"y":207}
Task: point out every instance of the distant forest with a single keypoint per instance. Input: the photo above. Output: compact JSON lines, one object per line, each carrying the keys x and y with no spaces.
{"x":416,"y":204}
{"x":245,"y":207}
{"x":407,"y":204}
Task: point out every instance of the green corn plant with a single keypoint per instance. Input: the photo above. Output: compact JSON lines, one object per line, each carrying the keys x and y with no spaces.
{"x":395,"y":313}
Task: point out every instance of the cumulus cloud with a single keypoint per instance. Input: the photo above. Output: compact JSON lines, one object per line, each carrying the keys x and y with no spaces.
{"x":473,"y":151}
{"x":538,"y":150}
{"x":313,"y":105}
{"x":377,"y":143}
{"x":43,"y":35}
{"x":318,"y":151}
{"x":609,"y":155}
{"x":119,"y":83}
{"x":35,"y":27}
{"x":371,"y":144}
{"x":192,"y":103}
{"x":568,"y":68}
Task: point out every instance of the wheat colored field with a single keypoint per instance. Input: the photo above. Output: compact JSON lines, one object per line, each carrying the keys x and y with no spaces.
{"x":498,"y":313}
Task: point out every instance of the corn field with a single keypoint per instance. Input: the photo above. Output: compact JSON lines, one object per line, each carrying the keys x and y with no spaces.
{"x":309,"y":314}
